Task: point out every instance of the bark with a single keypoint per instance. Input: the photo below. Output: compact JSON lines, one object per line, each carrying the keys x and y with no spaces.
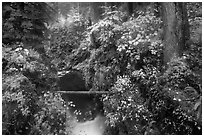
{"x":176,"y":30}
{"x":130,"y":8}
{"x":183,"y":25}
{"x":171,"y":46}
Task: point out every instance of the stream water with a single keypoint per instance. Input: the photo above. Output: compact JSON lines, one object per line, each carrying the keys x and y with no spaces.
{"x":92,"y":127}
{"x":90,"y":121}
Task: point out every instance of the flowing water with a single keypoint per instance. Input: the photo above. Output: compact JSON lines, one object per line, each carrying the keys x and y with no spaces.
{"x":90,"y":121}
{"x":92,"y":127}
{"x":85,"y":123}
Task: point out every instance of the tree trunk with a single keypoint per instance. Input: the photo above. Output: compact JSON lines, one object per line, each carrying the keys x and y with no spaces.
{"x":183,"y":25}
{"x":176,"y":29}
{"x":170,"y":38}
{"x":130,"y":8}
{"x":96,"y":11}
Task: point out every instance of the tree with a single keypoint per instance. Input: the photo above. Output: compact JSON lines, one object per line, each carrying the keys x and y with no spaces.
{"x":176,"y":29}
{"x":183,"y":25}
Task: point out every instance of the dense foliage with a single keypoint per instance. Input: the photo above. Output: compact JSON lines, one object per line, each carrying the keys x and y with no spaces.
{"x":28,"y":102}
{"x":25,"y":21}
{"x":64,"y":38}
{"x":144,"y":92}
{"x":28,"y":106}
{"x":120,"y":53}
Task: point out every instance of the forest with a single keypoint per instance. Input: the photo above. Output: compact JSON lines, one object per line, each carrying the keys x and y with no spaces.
{"x":142,"y":61}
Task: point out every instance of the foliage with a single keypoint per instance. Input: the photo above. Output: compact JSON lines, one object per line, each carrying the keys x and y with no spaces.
{"x":194,"y":9}
{"x":115,"y":45}
{"x":125,"y":107}
{"x":134,"y":49}
{"x":27,"y":106}
{"x":51,"y":118}
{"x":194,"y":53}
{"x":173,"y":98}
{"x":65,"y":37}
{"x":25,"y":22}
{"x":118,"y":53}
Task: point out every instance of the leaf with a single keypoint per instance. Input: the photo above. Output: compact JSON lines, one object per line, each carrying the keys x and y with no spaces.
{"x":198,"y":104}
{"x":26,"y":24}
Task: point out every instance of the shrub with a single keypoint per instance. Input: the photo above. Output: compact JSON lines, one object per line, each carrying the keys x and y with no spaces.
{"x":27,"y":106}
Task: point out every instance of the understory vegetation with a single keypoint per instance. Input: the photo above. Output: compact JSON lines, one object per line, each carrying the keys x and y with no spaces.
{"x":119,"y":52}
